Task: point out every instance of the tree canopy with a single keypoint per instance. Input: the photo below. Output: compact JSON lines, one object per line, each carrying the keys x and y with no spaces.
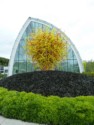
{"x":4,"y":61}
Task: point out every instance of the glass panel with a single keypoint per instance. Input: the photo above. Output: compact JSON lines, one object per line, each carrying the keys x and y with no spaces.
{"x":45,"y":27}
{"x":33,"y":26}
{"x":16,"y":56}
{"x":40,"y":26}
{"x":22,"y":42}
{"x":24,"y":35}
{"x":36,"y":25}
{"x":76,"y":66}
{"x":22,"y":57}
{"x":74,"y":56}
{"x":75,"y":63}
{"x":70,"y":66}
{"x":22,"y":67}
{"x":15,"y":68}
{"x":29,"y":66}
{"x":28,"y":30}
{"x":76,"y":69}
{"x":70,"y":54}
{"x":21,"y":50}
{"x":65,"y":65}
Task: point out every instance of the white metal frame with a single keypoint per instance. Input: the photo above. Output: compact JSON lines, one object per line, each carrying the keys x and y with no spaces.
{"x":11,"y":62}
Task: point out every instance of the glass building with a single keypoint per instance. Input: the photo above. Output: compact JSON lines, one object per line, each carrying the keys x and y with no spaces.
{"x":19,"y":62}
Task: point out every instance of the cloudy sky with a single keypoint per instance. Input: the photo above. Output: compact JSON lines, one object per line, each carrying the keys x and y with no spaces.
{"x":74,"y":17}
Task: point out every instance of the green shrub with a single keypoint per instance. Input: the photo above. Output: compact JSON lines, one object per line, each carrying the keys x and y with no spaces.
{"x":3,"y":76}
{"x":50,"y":110}
{"x":89,"y":73}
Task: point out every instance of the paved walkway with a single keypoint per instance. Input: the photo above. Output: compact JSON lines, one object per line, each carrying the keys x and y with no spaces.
{"x":6,"y":121}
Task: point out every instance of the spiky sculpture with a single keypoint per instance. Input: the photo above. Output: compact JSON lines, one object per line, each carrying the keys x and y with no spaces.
{"x":46,"y":48}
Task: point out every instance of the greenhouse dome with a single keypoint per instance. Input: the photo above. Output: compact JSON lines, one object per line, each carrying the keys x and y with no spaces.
{"x":19,"y":62}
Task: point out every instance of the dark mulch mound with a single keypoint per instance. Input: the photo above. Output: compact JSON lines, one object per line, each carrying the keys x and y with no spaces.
{"x":51,"y":83}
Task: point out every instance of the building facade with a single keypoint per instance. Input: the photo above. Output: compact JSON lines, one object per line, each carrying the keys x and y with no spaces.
{"x":4,"y":69}
{"x":19,"y":62}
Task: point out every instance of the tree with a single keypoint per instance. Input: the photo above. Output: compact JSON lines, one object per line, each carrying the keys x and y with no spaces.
{"x":88,"y":66}
{"x":4,"y":61}
{"x":46,"y":48}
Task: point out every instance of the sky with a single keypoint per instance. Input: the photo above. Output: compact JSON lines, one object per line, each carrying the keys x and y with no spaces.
{"x":74,"y":17}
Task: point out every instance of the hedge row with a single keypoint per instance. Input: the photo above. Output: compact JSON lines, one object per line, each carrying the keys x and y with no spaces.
{"x":50,"y":110}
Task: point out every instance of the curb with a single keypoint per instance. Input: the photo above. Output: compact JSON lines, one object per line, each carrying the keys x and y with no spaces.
{"x":6,"y":121}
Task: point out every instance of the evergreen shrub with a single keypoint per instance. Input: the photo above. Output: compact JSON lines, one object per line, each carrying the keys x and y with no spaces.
{"x":89,"y":73}
{"x":51,"y":110}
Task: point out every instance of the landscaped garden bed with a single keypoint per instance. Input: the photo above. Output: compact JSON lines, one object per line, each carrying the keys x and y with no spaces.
{"x":45,"y":105}
{"x":51,"y":83}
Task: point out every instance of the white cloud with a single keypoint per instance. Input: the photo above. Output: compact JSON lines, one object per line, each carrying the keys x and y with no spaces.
{"x":75,"y":17}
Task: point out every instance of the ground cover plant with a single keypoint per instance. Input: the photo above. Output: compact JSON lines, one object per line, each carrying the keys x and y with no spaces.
{"x":50,"y":110}
{"x":51,"y":83}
